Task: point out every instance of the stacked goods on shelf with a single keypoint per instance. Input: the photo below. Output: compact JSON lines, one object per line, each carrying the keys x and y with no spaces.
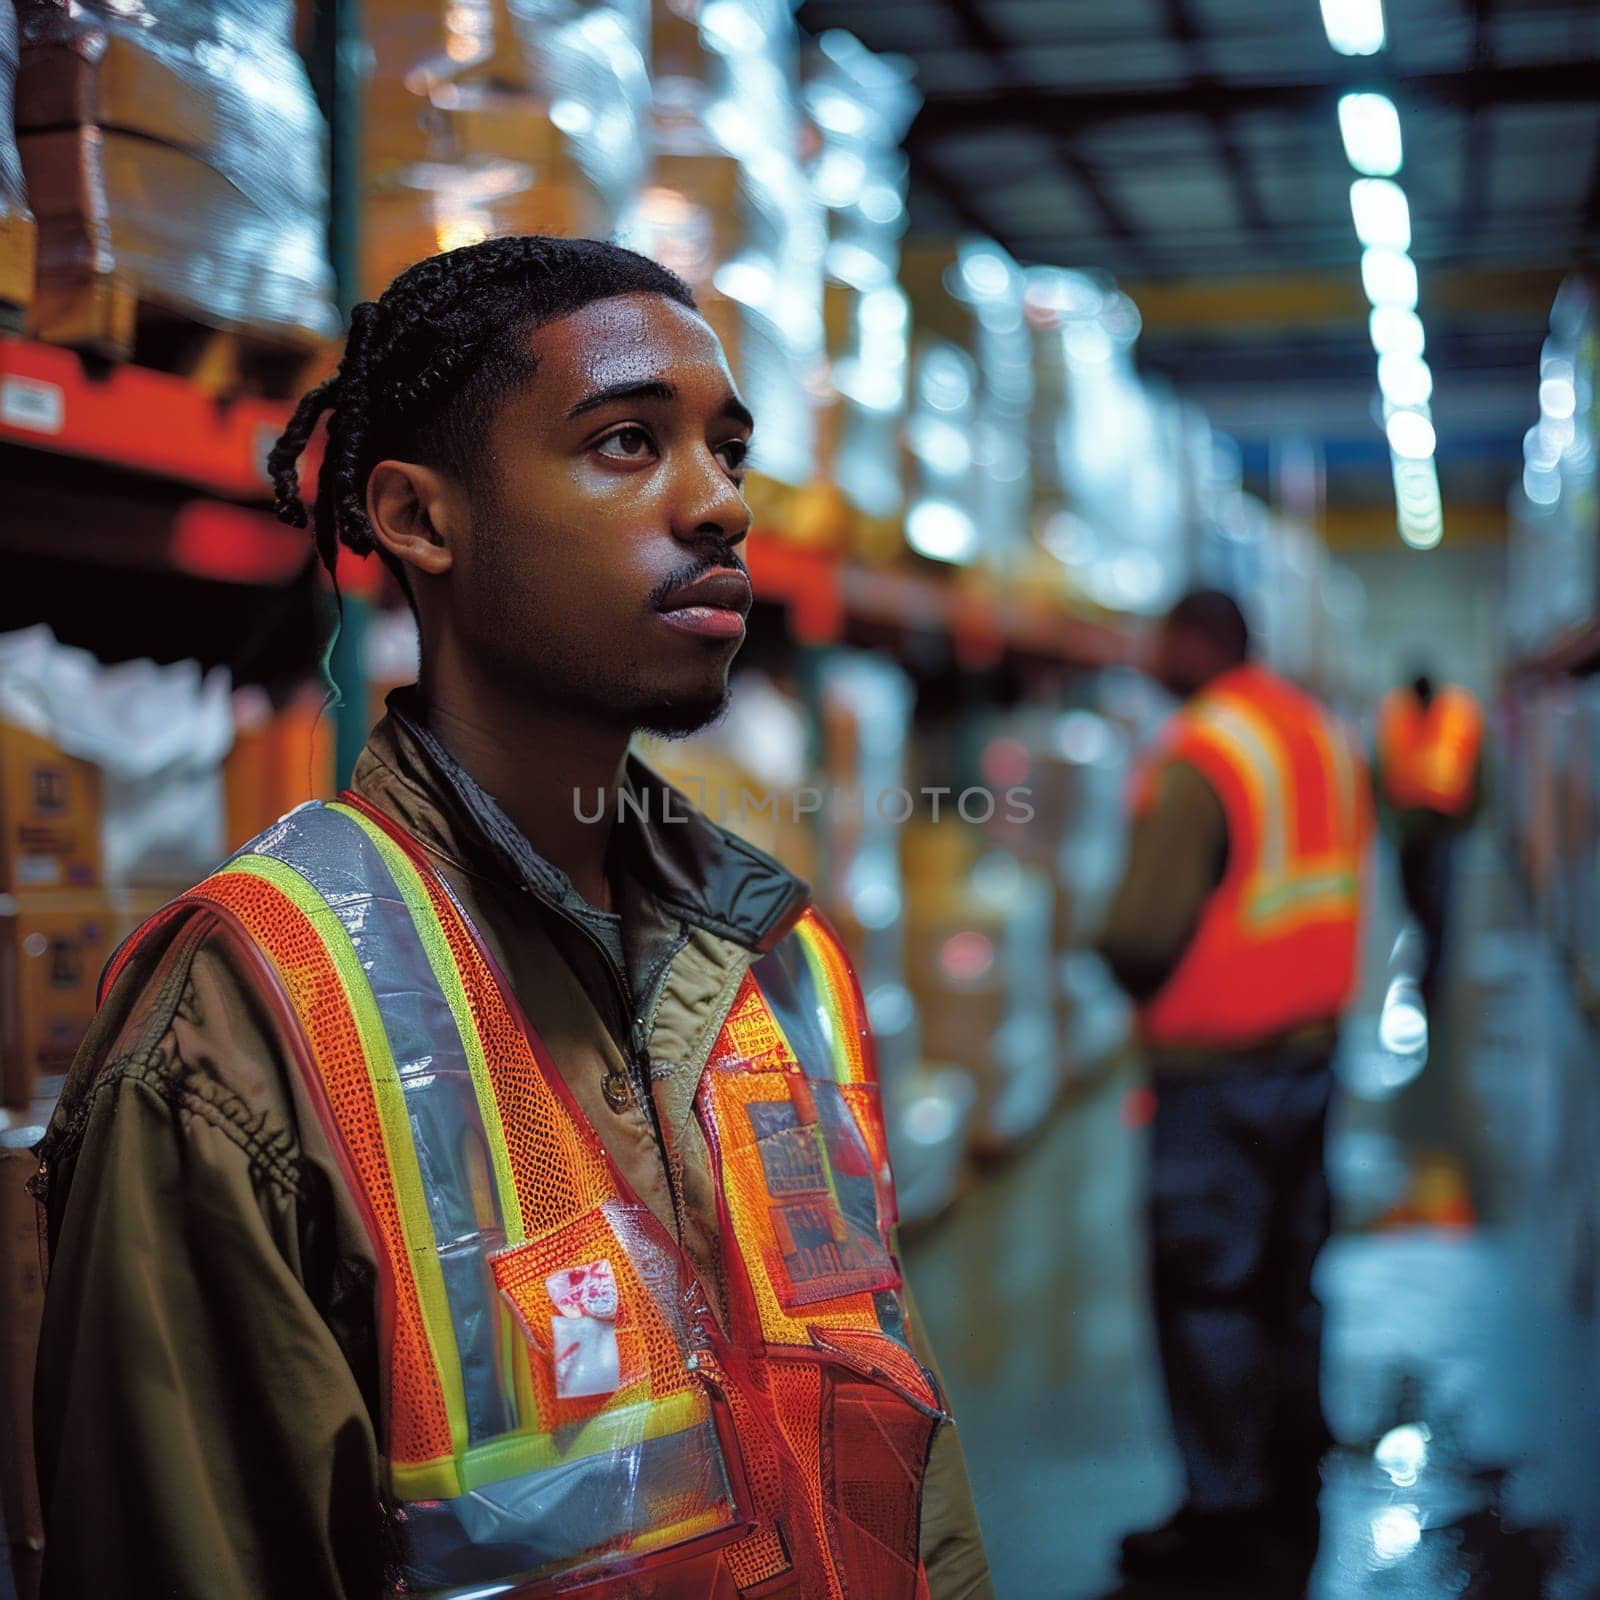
{"x":16,"y":221}
{"x":749,"y":772}
{"x":978,"y":962}
{"x":941,"y":519}
{"x":1073,"y":764}
{"x":1552,"y":589}
{"x":1114,"y":510}
{"x":280,"y":758}
{"x":860,"y":104}
{"x":174,"y":158}
{"x":864,"y":714}
{"x":22,"y":1294}
{"x":732,"y":212}
{"x":968,"y":429}
{"x":496,"y":117}
{"x":112,"y":796}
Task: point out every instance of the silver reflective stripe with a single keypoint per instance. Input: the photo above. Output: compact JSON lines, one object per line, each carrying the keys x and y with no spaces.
{"x":332,"y":853}
{"x":563,"y":1518}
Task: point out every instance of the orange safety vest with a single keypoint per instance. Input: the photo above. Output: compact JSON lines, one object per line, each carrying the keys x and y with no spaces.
{"x":1428,"y":757}
{"x":1275,"y":948}
{"x":563,"y":1414}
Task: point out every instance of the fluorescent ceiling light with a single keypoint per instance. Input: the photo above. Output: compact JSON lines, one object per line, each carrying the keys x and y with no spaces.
{"x":1389,"y":277}
{"x":1405,"y":380}
{"x":1370,"y":128}
{"x":1411,"y":435}
{"x":1354,"y":27}
{"x":1396,"y":332}
{"x":1381,"y":214}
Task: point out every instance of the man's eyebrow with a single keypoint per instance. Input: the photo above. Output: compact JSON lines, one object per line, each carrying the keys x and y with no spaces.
{"x":655,"y":389}
{"x":652,"y":389}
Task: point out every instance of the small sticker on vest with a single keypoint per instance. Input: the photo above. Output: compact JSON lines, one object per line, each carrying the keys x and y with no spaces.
{"x":790,"y":1158}
{"x":32,"y":404}
{"x":823,"y":1256}
{"x":583,"y":1332}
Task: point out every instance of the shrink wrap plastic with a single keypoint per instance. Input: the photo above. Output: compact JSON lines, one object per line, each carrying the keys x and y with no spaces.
{"x":485,"y":119}
{"x":195,"y":169}
{"x":13,"y":205}
{"x":861,"y":105}
{"x":158,"y":734}
{"x":1113,"y":454}
{"x":732,"y":211}
{"x":587,"y":63}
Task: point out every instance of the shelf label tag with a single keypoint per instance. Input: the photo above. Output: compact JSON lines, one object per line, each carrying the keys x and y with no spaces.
{"x":32,"y":404}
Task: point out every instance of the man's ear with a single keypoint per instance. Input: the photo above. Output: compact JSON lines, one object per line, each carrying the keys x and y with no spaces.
{"x":411,"y":511}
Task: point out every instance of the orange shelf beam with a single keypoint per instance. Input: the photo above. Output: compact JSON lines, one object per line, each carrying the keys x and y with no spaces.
{"x":134,"y":417}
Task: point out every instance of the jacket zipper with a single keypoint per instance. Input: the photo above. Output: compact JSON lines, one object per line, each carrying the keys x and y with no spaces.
{"x":634,"y":1044}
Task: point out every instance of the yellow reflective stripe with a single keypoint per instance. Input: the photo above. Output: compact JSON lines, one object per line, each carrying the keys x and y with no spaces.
{"x":389,"y":1097}
{"x":1303,"y":895}
{"x":1260,"y":764}
{"x":436,"y":944}
{"x":615,"y":1428}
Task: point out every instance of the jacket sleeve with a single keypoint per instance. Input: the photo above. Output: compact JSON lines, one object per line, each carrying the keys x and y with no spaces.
{"x":952,"y":1543}
{"x":1177,"y":854}
{"x":200,"y":1429}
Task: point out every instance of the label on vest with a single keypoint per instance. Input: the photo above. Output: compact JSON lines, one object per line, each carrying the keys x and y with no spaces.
{"x":827,"y":1241}
{"x":583,"y":1332}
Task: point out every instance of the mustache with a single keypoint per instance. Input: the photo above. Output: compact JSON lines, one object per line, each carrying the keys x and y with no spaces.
{"x":717,"y":561}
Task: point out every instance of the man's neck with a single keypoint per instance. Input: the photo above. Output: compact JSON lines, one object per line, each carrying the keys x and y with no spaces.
{"x":548,"y":772}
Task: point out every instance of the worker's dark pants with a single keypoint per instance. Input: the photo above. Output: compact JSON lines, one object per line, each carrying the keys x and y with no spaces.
{"x":1239,"y":1210}
{"x":1427,"y":865}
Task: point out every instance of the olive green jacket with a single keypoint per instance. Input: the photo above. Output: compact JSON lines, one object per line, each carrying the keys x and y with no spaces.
{"x":208,"y":1374}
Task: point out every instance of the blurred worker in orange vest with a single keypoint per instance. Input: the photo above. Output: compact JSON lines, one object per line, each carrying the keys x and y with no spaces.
{"x":1234,"y":931}
{"x":1429,"y":783}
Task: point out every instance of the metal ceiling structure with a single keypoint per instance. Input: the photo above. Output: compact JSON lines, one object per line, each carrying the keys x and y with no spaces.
{"x":1192,"y":149}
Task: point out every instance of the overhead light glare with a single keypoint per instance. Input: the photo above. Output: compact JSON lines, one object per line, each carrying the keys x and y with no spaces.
{"x":1389,"y":277}
{"x":1354,"y":27}
{"x":1381,"y":214}
{"x":1370,"y":128}
{"x":1405,"y":381}
{"x":1542,"y":485}
{"x":1558,"y":398}
{"x":1411,"y":435}
{"x":1396,"y":332}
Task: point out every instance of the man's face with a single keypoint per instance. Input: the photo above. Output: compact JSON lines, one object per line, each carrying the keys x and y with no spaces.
{"x":609,"y":486}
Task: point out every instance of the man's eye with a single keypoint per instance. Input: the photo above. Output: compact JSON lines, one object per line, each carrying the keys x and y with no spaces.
{"x":733,"y":453}
{"x":626,"y":444}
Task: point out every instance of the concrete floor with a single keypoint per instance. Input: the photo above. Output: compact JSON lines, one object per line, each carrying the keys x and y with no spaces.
{"x":1462,"y":1370}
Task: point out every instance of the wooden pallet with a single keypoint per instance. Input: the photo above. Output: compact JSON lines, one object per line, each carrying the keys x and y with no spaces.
{"x":107,"y":317}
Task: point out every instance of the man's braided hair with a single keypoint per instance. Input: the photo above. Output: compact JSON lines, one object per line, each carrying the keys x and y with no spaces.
{"x":425,"y":364}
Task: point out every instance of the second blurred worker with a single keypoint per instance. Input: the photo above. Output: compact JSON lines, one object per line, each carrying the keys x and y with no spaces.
{"x":1234,"y":930}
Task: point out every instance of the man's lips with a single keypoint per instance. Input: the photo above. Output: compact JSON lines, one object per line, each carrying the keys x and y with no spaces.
{"x":724,"y":589}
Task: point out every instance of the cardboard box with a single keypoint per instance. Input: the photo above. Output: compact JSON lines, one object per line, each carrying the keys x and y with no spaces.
{"x":122,"y":85}
{"x":279,"y":760}
{"x":18,"y":248}
{"x":401,"y":226}
{"x":52,"y":949}
{"x":156,"y":221}
{"x":22,"y":1294}
{"x":50,"y":811}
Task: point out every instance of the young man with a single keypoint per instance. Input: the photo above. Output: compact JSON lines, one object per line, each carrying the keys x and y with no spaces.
{"x":455,"y":1195}
{"x":1235,"y":932}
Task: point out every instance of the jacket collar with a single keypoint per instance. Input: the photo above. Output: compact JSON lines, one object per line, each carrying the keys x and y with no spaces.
{"x":679,"y":856}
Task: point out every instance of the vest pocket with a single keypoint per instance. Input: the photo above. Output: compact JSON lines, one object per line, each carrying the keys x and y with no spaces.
{"x":606,"y":1316}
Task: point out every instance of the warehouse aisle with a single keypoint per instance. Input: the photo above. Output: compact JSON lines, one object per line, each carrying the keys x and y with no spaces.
{"x":1463,"y":1337}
